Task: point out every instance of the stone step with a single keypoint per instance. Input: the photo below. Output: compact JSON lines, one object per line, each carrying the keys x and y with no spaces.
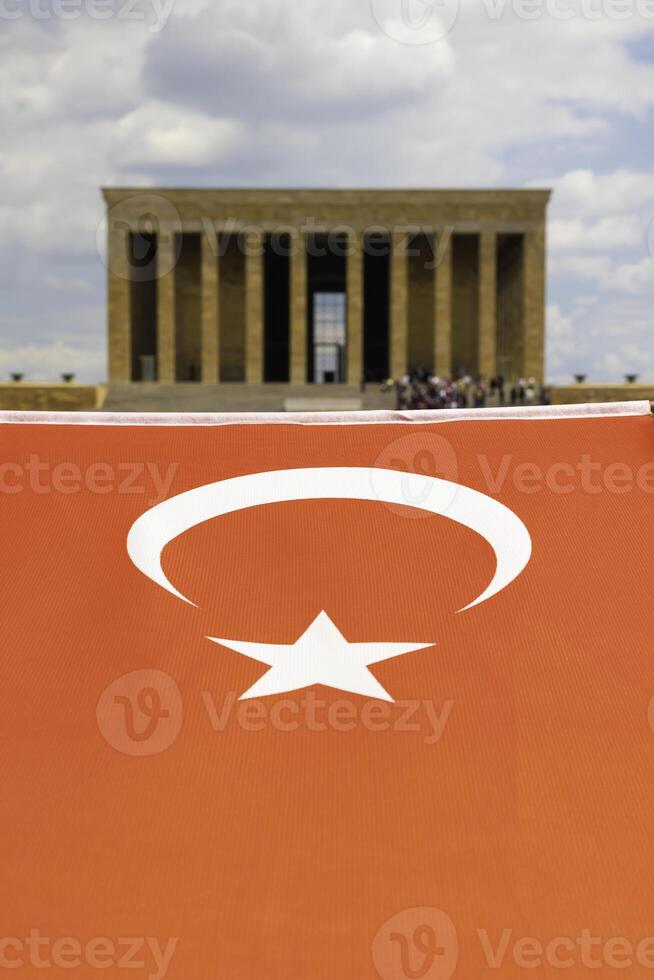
{"x":188,"y":397}
{"x":323,"y":404}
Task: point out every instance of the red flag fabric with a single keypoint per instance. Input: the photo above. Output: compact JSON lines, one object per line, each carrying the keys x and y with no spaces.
{"x":328,"y":697}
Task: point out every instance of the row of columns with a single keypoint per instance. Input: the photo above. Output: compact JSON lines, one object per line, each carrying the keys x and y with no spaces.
{"x":534,"y":298}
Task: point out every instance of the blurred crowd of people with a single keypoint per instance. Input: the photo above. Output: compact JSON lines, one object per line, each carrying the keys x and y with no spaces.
{"x":420,"y":389}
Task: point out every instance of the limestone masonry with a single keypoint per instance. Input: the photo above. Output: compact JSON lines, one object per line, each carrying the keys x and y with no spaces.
{"x":304,"y":287}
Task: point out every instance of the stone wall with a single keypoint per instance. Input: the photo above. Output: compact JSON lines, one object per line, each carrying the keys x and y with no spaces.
{"x":586,"y":393}
{"x":359,"y":209}
{"x":26,"y":396}
{"x":34,"y":396}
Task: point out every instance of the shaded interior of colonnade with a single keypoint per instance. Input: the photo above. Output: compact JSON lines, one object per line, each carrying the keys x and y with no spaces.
{"x":188,"y":309}
{"x":326,"y":305}
{"x":277,"y":307}
{"x":231,"y":307}
{"x":142,"y":263}
{"x":376,"y":306}
{"x":421,"y":259}
{"x":509,"y":299}
{"x":465,"y":304}
{"x":510,"y":305}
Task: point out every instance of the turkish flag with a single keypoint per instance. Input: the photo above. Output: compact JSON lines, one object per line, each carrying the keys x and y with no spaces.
{"x":289,"y":698}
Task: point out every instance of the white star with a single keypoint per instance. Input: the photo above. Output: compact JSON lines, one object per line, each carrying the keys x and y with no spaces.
{"x":321,"y":655}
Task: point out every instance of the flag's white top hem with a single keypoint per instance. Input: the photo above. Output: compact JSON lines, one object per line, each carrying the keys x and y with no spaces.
{"x":529,"y":413}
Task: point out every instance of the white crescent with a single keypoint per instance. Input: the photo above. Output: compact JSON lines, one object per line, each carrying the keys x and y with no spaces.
{"x":498,"y":525}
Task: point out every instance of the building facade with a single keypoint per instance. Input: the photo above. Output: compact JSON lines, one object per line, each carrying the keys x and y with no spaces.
{"x":324,"y":286}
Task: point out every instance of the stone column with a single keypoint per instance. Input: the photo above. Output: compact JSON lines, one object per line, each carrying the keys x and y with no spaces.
{"x":399,"y":305}
{"x":443,"y":305}
{"x":118,"y":304}
{"x":298,"y":366}
{"x":534,"y":304}
{"x":210,"y":308}
{"x":166,"y":340}
{"x":354,"y":310}
{"x":487,"y":349}
{"x":254,"y":307}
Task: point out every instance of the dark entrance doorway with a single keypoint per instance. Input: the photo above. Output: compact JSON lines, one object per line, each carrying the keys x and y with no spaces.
{"x":376,"y":285}
{"x":327,"y":307}
{"x":329,"y":318}
{"x":276,"y":307}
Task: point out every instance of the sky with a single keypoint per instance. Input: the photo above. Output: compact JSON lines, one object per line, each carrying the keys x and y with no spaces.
{"x":340,"y":93}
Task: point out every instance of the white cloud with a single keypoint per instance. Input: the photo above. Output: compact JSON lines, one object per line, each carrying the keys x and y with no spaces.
{"x":605,"y":340}
{"x":49,"y":361}
{"x":561,"y":340}
{"x":575,"y":266}
{"x":635,"y":277}
{"x":156,"y":134}
{"x":604,"y":235}
{"x":316,"y":93}
{"x":593,"y":195}
{"x":59,"y":282}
